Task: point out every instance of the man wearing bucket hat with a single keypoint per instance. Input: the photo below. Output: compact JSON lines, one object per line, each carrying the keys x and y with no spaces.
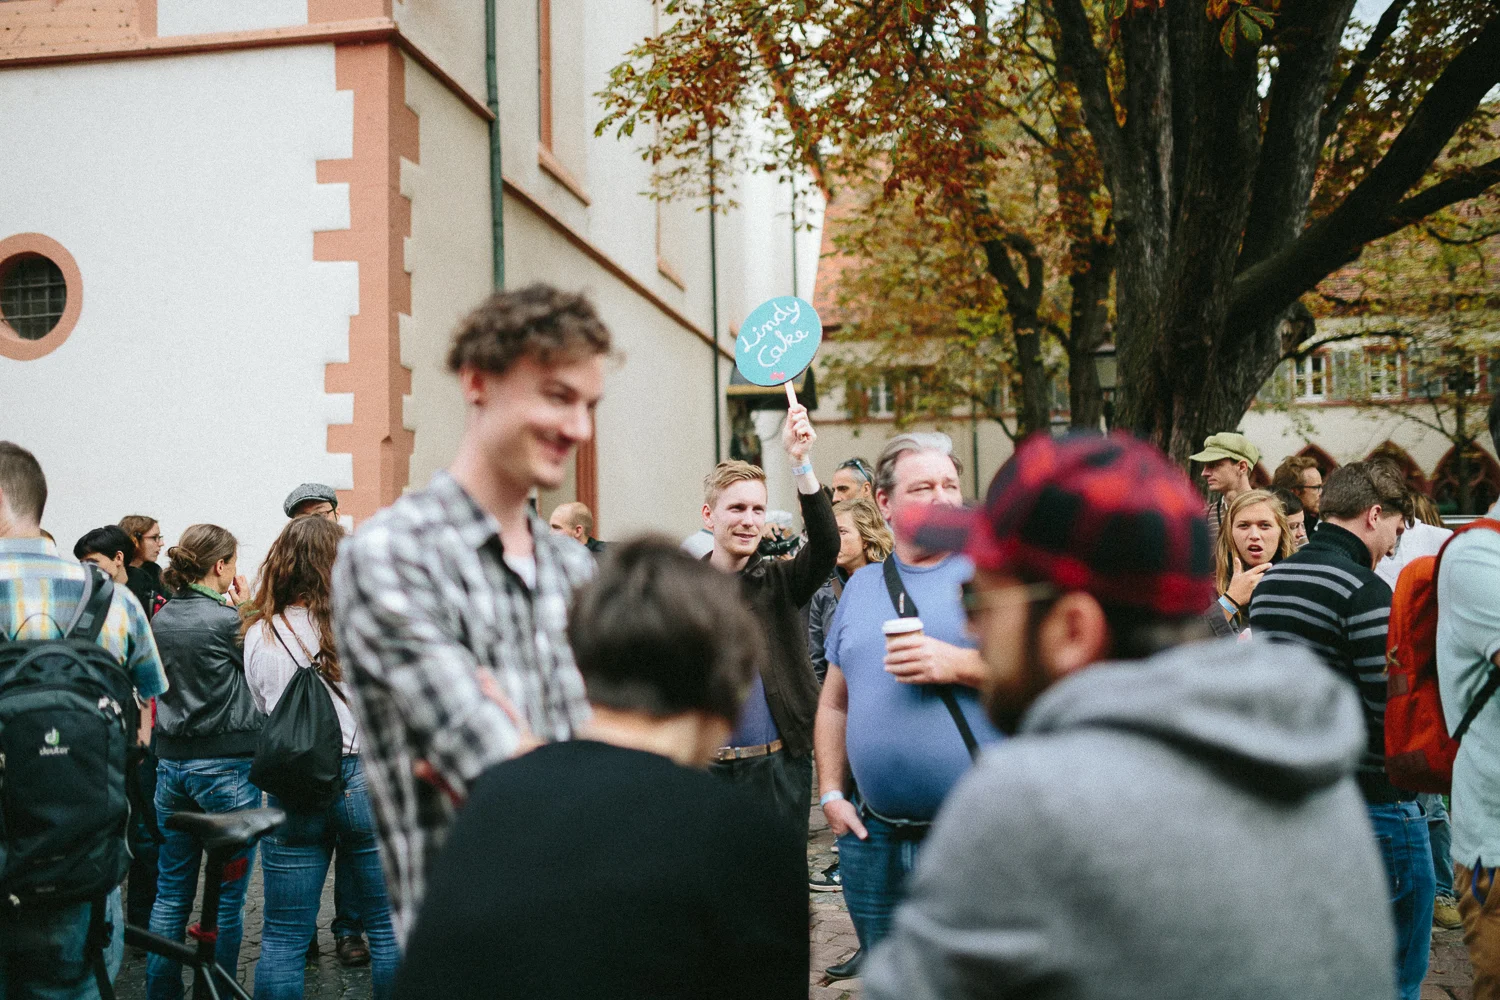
{"x":1173,"y":818}
{"x":1227,"y":459}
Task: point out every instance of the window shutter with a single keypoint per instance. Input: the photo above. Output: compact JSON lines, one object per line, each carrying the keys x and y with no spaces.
{"x":1347,"y":372}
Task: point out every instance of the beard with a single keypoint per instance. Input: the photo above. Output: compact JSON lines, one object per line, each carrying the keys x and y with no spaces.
{"x":1007,"y":703}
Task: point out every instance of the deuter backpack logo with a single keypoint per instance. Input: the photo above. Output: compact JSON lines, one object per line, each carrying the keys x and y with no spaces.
{"x":51,"y":739}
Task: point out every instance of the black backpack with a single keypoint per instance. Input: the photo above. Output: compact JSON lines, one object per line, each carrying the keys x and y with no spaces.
{"x":300,"y":755}
{"x":68,"y":718}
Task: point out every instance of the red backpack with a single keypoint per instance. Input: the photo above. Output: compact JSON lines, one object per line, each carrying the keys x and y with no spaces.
{"x":1419,"y":752}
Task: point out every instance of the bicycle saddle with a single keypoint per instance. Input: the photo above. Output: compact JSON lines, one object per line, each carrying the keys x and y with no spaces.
{"x":229,"y":829}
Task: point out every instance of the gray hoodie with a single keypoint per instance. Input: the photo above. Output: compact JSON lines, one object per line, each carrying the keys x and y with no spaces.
{"x":1184,"y":827}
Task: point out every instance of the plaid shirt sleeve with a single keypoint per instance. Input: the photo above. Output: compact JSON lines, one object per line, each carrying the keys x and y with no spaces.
{"x":141,"y":657}
{"x":395,"y":635}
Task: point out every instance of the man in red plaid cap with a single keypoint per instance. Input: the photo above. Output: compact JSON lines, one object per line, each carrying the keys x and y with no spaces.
{"x":1174,"y":817}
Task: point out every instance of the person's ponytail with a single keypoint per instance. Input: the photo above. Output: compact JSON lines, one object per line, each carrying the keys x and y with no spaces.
{"x":195,"y":554}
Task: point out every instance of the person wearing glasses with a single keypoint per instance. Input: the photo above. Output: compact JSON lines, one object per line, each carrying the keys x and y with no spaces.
{"x":1299,"y":474}
{"x":143,"y":575}
{"x":890,"y":709}
{"x":853,"y":478}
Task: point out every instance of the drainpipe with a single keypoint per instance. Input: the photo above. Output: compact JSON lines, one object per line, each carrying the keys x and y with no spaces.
{"x":794,"y":234}
{"x":497,"y":179}
{"x":713,"y":291}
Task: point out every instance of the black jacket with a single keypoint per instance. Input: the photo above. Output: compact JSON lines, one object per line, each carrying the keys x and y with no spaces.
{"x":208,"y":711}
{"x":778,"y":589}
{"x":145,"y":583}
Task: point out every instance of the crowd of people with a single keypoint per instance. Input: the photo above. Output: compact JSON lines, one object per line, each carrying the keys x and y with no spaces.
{"x":1086,"y":739}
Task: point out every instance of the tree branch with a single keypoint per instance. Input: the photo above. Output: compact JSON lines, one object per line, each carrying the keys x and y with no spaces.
{"x":1360,"y":69}
{"x":1077,"y":51}
{"x":1307,"y":45}
{"x":1306,"y":349}
{"x":1262,"y":291}
{"x":1461,"y":186}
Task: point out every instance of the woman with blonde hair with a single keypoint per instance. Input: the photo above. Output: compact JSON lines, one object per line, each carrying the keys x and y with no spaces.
{"x":288,"y":626}
{"x":1257,"y":537}
{"x":864,"y":538}
{"x":207,"y":729}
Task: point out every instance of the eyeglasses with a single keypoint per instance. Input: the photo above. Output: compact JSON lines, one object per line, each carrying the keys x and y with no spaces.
{"x":860,"y":466}
{"x":151,"y":538}
{"x":976,"y":600}
{"x":1313,"y":489}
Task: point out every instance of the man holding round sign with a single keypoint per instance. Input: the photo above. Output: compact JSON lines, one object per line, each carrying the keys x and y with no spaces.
{"x":770,"y":750}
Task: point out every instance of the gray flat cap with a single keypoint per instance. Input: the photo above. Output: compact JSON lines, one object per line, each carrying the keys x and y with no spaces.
{"x":309,"y":491}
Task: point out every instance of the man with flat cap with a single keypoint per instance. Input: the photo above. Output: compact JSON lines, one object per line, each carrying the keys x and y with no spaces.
{"x":1227,"y":459}
{"x":312,"y":500}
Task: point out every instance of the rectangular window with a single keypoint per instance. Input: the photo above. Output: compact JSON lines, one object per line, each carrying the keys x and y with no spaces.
{"x":1310,"y":378}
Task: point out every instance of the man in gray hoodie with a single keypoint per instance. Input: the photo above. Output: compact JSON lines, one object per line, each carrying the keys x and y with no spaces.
{"x":1175,"y":818}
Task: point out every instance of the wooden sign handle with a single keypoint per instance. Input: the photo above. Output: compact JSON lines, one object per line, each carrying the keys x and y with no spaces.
{"x":791,"y":394}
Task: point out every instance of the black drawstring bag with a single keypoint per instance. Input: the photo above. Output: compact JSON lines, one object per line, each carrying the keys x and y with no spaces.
{"x":300,"y":756}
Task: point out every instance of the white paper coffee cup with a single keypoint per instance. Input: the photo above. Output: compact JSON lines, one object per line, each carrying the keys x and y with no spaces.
{"x":901,"y":626}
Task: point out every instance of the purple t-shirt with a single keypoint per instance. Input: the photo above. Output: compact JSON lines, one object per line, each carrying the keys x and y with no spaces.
{"x":903,"y":747}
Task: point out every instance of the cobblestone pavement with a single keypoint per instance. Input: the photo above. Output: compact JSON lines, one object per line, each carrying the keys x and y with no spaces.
{"x":326,"y":978}
{"x":1449,"y":976}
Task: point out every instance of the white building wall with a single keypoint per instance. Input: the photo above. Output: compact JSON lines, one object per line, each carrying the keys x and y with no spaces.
{"x":449,"y":258}
{"x":185,"y":188}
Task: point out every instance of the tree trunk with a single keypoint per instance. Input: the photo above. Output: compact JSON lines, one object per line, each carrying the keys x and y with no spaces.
{"x":1087,"y":329}
{"x":1023,"y":301}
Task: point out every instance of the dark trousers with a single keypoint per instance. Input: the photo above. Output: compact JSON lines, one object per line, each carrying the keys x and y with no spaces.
{"x":143,"y":847}
{"x":777,"y":779}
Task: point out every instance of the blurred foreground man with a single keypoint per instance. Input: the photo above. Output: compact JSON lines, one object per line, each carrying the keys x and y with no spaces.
{"x":451,"y":605}
{"x":1174,"y":818}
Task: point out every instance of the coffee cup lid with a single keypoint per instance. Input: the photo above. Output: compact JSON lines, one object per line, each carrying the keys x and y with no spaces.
{"x":900,"y":626}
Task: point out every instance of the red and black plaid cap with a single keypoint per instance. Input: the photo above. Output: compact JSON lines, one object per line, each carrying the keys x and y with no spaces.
{"x":1110,"y":516}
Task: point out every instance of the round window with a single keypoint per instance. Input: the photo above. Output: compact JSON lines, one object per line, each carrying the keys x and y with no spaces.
{"x":41,"y":296}
{"x":33,"y":295}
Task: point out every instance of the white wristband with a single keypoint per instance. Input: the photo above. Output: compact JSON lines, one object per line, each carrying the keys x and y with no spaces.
{"x":805,"y":469}
{"x":833,"y":796}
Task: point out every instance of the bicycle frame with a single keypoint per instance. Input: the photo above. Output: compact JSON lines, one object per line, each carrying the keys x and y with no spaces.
{"x":208,"y":976}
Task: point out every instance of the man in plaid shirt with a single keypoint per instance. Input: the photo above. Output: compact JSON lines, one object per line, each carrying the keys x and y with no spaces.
{"x":43,"y":953}
{"x":451,"y":604}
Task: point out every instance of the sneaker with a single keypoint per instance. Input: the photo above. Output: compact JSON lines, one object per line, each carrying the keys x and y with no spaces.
{"x":1445,"y":914}
{"x":827,"y":881}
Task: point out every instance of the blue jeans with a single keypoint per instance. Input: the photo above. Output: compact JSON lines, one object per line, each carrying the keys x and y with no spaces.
{"x":42,"y":953}
{"x":1440,"y":831}
{"x":1401,"y":834}
{"x":294,"y":862}
{"x":347,"y":921}
{"x":874,"y":872}
{"x":213,"y":784}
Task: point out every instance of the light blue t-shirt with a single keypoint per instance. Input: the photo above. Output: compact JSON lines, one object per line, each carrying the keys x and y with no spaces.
{"x":903,"y":747}
{"x":756,"y":726}
{"x":1468,"y":637}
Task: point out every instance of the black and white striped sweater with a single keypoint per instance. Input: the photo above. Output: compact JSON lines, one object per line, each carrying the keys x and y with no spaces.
{"x":1326,"y":597}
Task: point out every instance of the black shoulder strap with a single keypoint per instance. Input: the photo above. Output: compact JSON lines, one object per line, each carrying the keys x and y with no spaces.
{"x":907,"y":608}
{"x":271,"y":624}
{"x":93,"y":607}
{"x":99,"y":935}
{"x":1481,"y":699}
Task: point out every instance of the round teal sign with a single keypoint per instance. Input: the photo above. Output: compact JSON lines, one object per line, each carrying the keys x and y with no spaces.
{"x":778,"y":340}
